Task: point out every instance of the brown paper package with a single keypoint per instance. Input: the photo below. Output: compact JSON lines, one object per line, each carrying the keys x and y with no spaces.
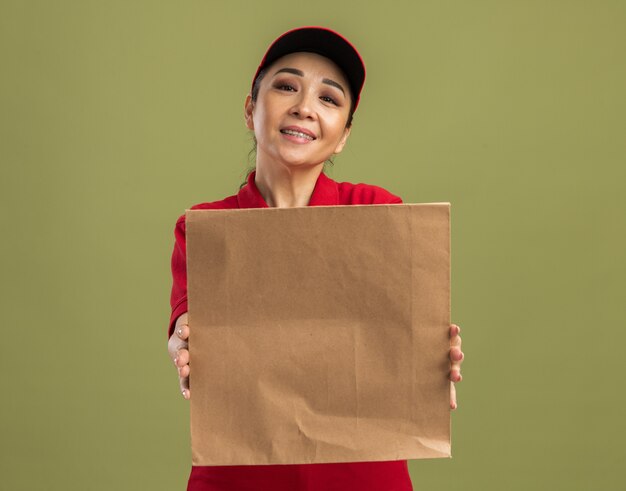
{"x":319,"y":334}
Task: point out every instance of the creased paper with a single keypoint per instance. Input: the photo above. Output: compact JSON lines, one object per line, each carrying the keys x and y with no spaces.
{"x":319,"y":334}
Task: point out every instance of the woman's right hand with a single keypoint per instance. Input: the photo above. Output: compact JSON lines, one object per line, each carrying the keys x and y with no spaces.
{"x":179,"y":353}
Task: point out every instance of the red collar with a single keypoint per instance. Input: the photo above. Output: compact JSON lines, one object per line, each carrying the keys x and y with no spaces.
{"x":325,"y":192}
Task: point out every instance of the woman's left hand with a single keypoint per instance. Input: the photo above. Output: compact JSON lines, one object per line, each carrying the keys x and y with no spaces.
{"x":456,"y":358}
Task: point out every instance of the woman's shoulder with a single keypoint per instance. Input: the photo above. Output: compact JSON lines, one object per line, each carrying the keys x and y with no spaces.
{"x":364,"y":194}
{"x":223,"y":204}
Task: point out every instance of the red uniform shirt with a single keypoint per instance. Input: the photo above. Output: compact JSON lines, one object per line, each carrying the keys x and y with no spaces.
{"x":361,"y":476}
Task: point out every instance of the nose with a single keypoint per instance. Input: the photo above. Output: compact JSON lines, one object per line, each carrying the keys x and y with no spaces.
{"x":303,"y":105}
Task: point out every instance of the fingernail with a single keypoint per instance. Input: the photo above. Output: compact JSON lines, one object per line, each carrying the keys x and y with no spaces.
{"x":176,"y":361}
{"x":180,"y":331}
{"x":184,"y":392}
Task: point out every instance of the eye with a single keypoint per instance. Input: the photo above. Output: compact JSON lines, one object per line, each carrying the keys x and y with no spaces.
{"x":285,"y":87}
{"x":328,"y":99}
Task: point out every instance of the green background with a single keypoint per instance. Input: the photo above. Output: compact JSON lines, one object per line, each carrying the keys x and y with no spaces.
{"x":117,"y":115}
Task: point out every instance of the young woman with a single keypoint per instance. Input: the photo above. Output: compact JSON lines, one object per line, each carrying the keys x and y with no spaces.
{"x":300,"y":109}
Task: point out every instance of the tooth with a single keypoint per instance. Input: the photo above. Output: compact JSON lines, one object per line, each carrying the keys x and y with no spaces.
{"x":299,"y":134}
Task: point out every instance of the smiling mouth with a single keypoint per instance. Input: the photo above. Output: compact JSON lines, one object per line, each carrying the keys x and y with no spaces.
{"x":298,"y":134}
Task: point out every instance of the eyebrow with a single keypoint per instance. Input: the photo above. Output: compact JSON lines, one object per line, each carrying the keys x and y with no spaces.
{"x":300,"y":73}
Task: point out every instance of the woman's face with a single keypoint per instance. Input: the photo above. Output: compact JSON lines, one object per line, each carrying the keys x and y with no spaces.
{"x":300,"y":114}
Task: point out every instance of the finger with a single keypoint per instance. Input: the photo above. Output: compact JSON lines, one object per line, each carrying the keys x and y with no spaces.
{"x":184,"y":387}
{"x":182,"y":357}
{"x":456,"y":358}
{"x":184,"y":371}
{"x":456,"y":355}
{"x":455,"y":374}
{"x":182,"y":331}
{"x":454,"y":330}
{"x":453,"y":404}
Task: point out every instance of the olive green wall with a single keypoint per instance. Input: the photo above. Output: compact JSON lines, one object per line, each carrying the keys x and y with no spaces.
{"x":117,"y":115}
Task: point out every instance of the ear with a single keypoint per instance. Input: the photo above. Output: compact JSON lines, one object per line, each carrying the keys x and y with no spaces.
{"x":344,"y":139}
{"x":247,"y":112}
